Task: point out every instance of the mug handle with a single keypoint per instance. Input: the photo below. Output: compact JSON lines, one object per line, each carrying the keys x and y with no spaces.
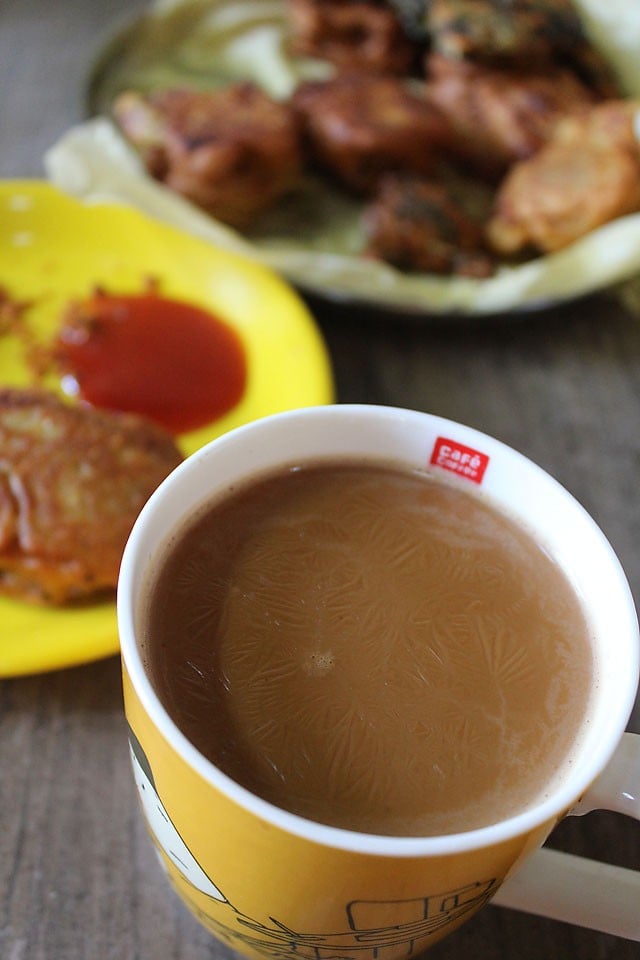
{"x":584,"y":892}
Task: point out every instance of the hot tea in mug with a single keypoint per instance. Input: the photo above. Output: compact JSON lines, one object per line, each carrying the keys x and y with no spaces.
{"x":374,"y":649}
{"x":370,"y":658}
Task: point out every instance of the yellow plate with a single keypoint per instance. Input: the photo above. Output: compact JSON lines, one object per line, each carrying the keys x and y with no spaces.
{"x":54,"y":249}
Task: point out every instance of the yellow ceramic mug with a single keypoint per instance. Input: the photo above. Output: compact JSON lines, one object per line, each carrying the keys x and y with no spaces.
{"x":269,"y":883}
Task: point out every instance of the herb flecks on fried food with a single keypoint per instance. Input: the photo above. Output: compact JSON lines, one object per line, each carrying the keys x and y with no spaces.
{"x":418,"y":225}
{"x":532,"y":32}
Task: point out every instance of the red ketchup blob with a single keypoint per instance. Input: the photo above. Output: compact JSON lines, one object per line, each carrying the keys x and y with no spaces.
{"x":171,"y":361}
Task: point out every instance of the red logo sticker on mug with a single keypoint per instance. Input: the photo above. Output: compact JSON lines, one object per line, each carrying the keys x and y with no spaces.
{"x":462,"y":460}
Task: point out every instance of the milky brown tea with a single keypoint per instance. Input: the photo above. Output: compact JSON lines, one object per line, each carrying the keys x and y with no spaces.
{"x":372,"y":649}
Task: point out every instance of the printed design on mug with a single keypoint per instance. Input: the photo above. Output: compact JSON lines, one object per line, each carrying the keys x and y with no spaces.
{"x":163,"y":828}
{"x":408,"y":923}
{"x":456,"y":457}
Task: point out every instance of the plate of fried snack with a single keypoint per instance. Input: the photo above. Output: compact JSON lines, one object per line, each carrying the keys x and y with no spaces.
{"x":446,"y":157}
{"x":125,"y":346}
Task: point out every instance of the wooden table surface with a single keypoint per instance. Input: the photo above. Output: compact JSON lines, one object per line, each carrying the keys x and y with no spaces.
{"x":78,"y":878}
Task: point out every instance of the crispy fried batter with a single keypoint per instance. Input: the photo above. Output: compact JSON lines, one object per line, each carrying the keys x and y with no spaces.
{"x":232,"y":151}
{"x":14,"y":322}
{"x":11,"y":312}
{"x":500,"y":116}
{"x":72,"y":481}
{"x":518,"y":32}
{"x":418,"y":225}
{"x":360,"y":126}
{"x":356,"y":35}
{"x":587,"y":175}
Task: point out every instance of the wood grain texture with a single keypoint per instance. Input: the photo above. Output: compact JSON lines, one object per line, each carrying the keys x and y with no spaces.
{"x":78,"y":876}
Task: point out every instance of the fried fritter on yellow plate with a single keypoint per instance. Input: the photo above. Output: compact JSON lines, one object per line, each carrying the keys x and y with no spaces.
{"x":499,"y":116}
{"x":360,"y":126}
{"x":232,"y":151}
{"x":587,"y":175}
{"x":72,"y":482}
{"x":356,"y":35}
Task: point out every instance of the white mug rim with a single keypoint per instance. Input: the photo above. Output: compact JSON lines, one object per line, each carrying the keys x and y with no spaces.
{"x":548,"y":810}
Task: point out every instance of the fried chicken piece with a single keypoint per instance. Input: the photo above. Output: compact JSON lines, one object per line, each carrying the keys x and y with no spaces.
{"x":587,"y":175}
{"x":417,"y":225}
{"x":72,"y":481}
{"x":353,"y":35}
{"x":518,"y":32}
{"x":360,"y":126}
{"x":499,"y":116}
{"x":233,"y":152}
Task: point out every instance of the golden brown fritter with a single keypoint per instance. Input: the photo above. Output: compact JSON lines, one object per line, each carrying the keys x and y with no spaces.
{"x":517,"y":32}
{"x":353,"y":35}
{"x":500,"y":116}
{"x":587,"y":175}
{"x":360,"y":126}
{"x":72,"y":482}
{"x":417,"y":225}
{"x":232,"y":151}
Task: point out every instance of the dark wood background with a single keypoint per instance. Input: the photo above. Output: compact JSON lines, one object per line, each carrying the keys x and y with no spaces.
{"x":78,"y":878}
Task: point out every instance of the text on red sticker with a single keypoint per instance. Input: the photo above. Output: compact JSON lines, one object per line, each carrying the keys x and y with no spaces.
{"x":454,"y":456}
